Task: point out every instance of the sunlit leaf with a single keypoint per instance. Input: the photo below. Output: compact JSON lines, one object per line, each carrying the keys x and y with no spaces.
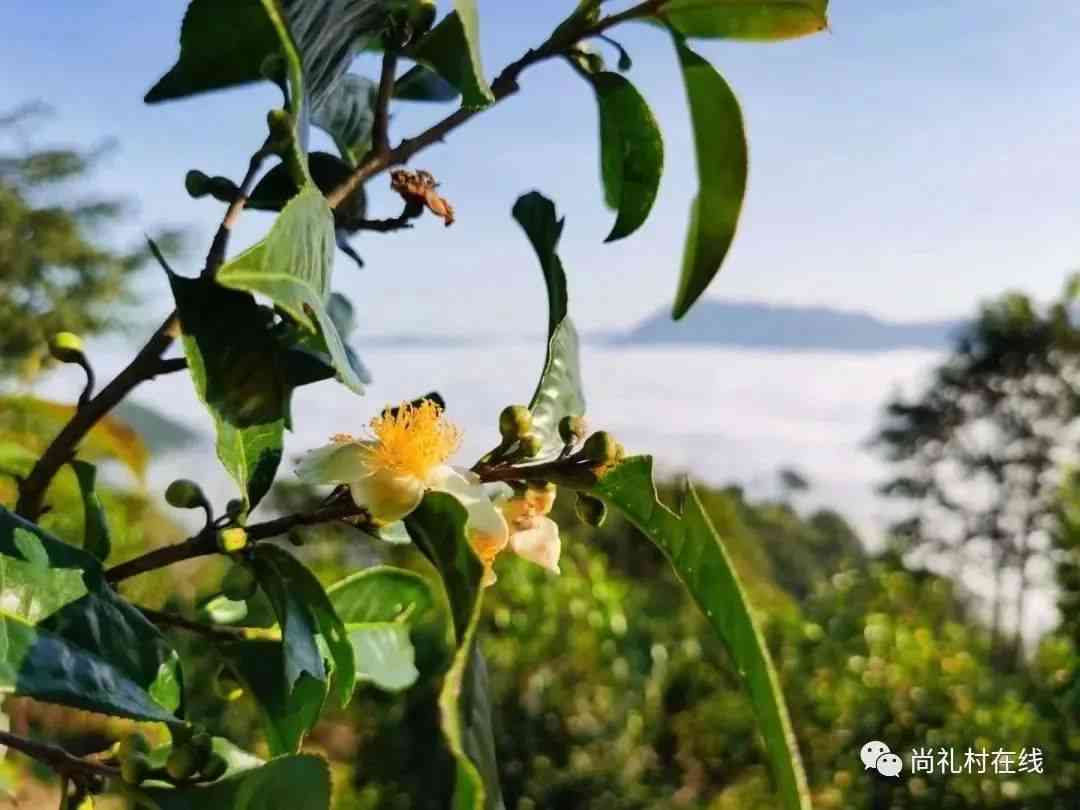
{"x":437,"y":527}
{"x":767,"y":20}
{"x":292,"y":267}
{"x":720,"y":144}
{"x":452,"y":50}
{"x":560,"y":392}
{"x":697,"y":554}
{"x":631,"y":151}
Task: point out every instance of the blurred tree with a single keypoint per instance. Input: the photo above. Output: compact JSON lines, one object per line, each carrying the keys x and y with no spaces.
{"x":978,"y":452}
{"x":55,"y":272}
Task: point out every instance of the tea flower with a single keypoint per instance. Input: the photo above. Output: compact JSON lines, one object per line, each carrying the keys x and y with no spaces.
{"x":406,"y":456}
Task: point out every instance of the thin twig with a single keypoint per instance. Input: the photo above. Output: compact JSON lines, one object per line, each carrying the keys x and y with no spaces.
{"x":161,"y":617}
{"x":504,"y":85}
{"x":215,"y":257}
{"x":205,"y":542}
{"x":81,"y":771}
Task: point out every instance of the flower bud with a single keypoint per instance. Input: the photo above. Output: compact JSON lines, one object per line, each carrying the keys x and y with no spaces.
{"x":66,"y":347}
{"x":135,"y":769}
{"x":215,"y":767}
{"x":239,"y":583}
{"x":515,"y":422}
{"x":236,"y":509}
{"x":572,"y":429}
{"x":184,"y":493}
{"x":280,"y":124}
{"x":182,"y":763}
{"x":232,"y":540}
{"x":602,"y":448}
{"x":530,"y":445}
{"x":592,"y":511}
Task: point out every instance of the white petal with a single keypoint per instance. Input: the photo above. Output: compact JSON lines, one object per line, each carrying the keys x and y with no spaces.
{"x":487,"y":528}
{"x":336,"y":463}
{"x":386,"y":496}
{"x":540,"y":544}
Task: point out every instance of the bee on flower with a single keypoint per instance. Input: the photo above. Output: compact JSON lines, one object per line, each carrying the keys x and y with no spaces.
{"x":405,"y":455}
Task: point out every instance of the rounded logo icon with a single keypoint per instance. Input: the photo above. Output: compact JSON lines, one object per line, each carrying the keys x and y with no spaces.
{"x":870,"y":753}
{"x":889,"y":765}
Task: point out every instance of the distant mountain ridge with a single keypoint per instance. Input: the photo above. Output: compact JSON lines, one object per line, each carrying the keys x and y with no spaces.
{"x":746,"y":324}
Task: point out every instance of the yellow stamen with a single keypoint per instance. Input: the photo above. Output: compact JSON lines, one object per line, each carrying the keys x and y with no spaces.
{"x":413,"y":440}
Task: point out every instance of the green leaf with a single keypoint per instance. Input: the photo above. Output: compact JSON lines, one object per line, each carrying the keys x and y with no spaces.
{"x":698,"y":556}
{"x":384,"y":655}
{"x":39,"y":664}
{"x":103,"y":623}
{"x":96,"y":528}
{"x":631,"y":151}
{"x":560,"y":392}
{"x":303,"y":593}
{"x":296,"y":782}
{"x":92,"y":649}
{"x":720,"y":144}
{"x":438,"y":527}
{"x":292,"y":267}
{"x":380,"y":594}
{"x":39,"y":573}
{"x":240,"y":375}
{"x":287,"y":713}
{"x":420,"y":83}
{"x":347,"y":113}
{"x":452,"y":50}
{"x":378,"y":606}
{"x":767,"y":20}
{"x":221,"y":45}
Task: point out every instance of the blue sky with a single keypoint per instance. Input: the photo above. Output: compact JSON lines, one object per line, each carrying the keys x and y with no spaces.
{"x":919,"y":156}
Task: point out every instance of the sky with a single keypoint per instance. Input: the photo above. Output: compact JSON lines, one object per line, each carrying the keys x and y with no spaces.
{"x":917,"y":157}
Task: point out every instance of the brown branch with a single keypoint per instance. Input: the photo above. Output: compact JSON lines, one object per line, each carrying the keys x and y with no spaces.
{"x":380,"y":140}
{"x":81,"y":771}
{"x":161,"y":617}
{"x":505,"y":84}
{"x":205,"y":542}
{"x":215,"y":257}
{"x":146,"y":365}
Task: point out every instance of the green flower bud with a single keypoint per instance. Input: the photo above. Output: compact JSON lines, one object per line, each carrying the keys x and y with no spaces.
{"x":572,"y":429}
{"x":196,"y":183}
{"x":182,"y":763}
{"x":515,"y":422}
{"x":280,"y":124}
{"x":185,"y":494}
{"x":592,"y":511}
{"x":239,"y":583}
{"x":232,"y":539}
{"x":530,"y":445}
{"x":215,"y":767}
{"x":66,"y":347}
{"x":135,"y":769}
{"x":602,"y":448}
{"x":132,"y":744}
